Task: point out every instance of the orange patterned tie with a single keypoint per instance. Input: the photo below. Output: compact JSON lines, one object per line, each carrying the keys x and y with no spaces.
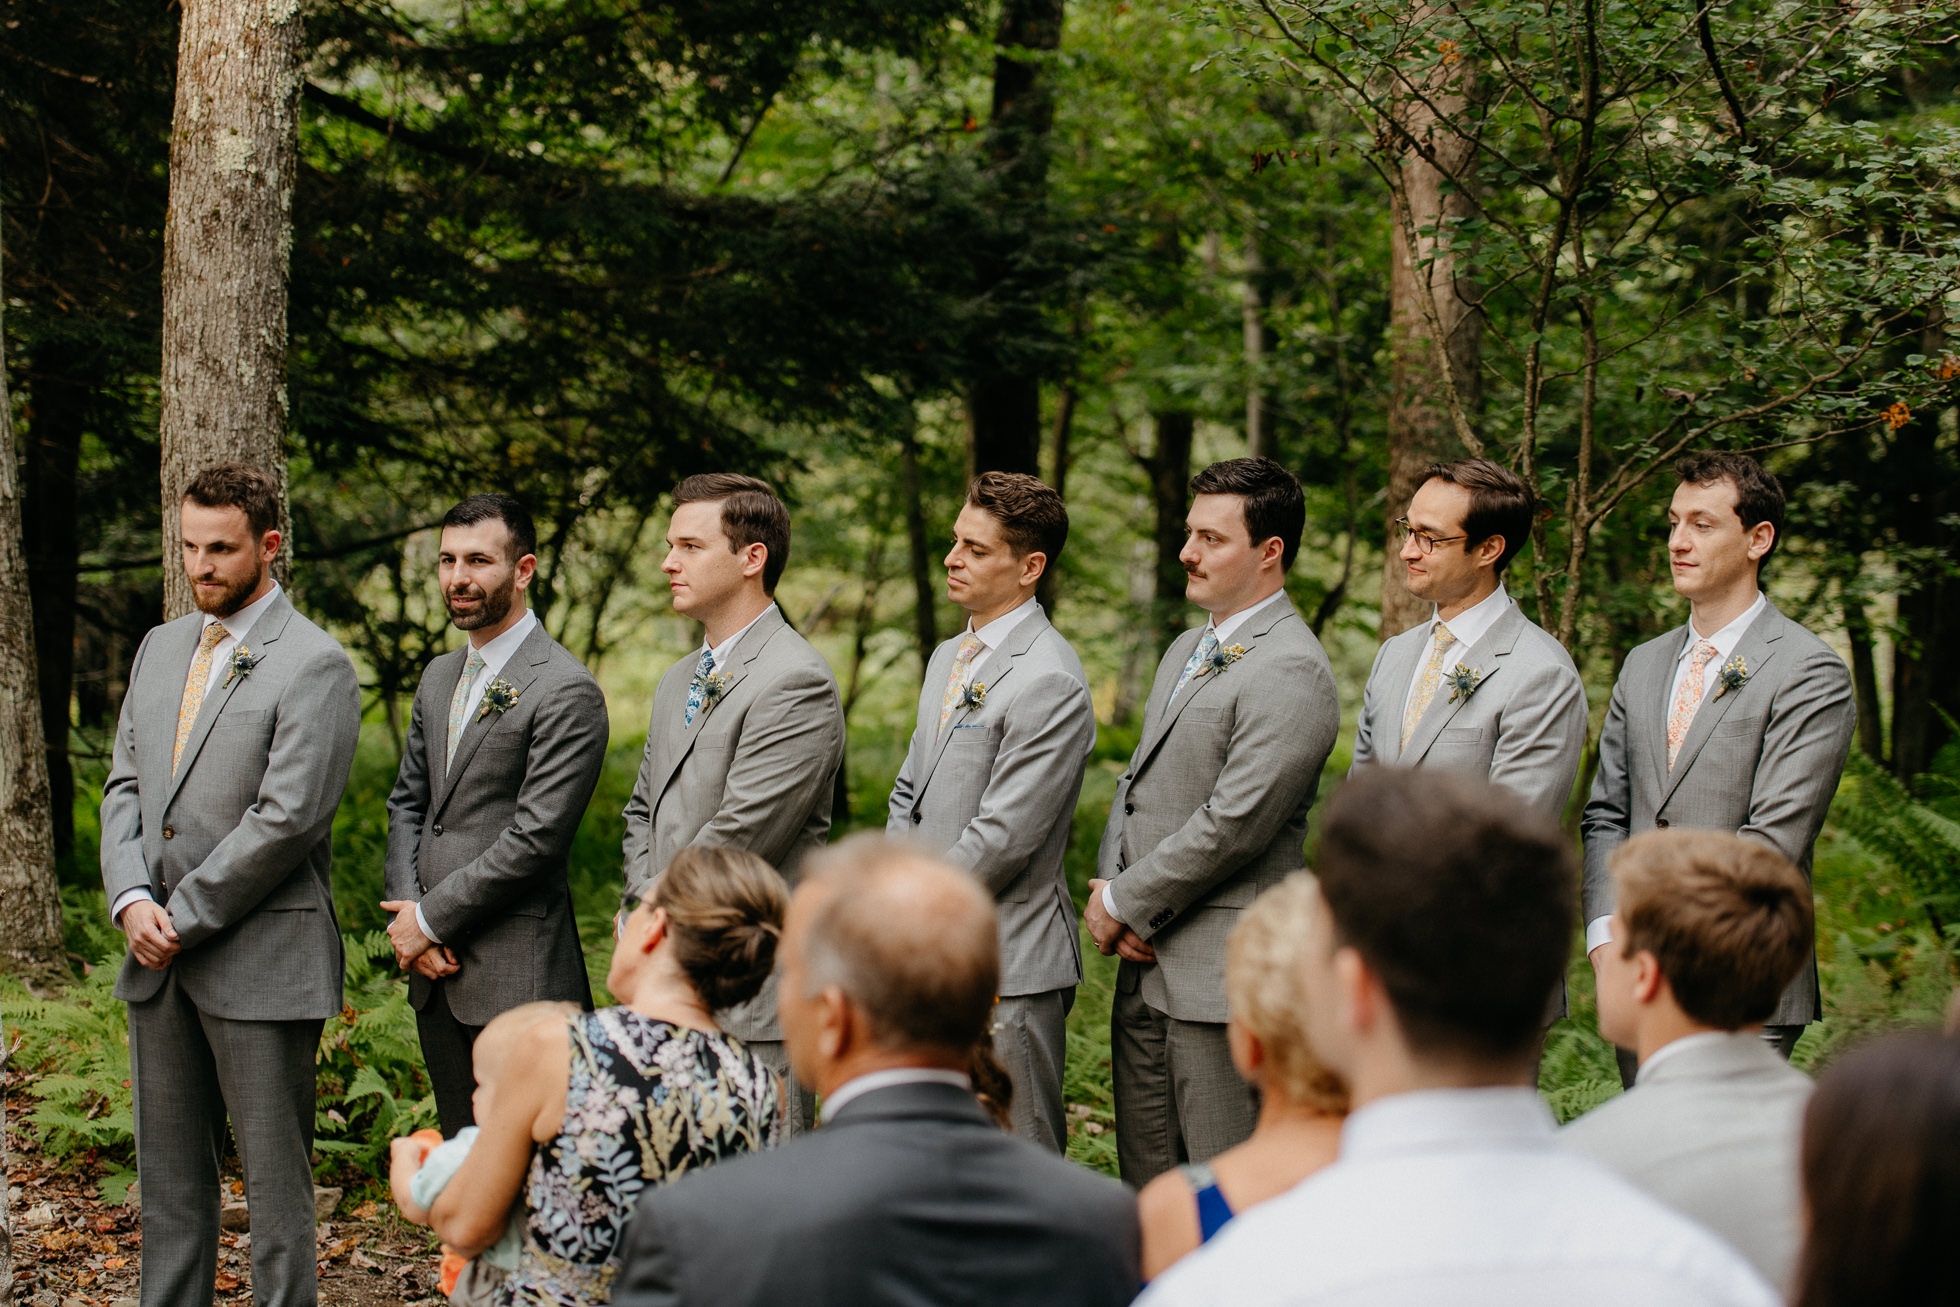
{"x":193,"y":700}
{"x":1687,"y":700}
{"x":970,"y":647}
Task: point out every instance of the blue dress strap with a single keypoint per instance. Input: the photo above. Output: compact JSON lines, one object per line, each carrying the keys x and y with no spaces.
{"x":1213,"y":1210}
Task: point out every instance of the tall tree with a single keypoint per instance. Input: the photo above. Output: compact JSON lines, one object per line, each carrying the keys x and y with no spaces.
{"x":30,"y":902}
{"x":234,"y":145}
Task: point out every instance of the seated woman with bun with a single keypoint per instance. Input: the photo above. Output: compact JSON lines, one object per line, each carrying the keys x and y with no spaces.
{"x":599,"y":1107}
{"x":1301,"y":1103}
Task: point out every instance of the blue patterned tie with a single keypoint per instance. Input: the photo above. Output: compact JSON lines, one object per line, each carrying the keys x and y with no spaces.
{"x":697,"y":689}
{"x":1199,"y":656}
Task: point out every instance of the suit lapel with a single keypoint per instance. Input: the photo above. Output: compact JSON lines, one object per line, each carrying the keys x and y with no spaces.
{"x":1756,"y":648}
{"x":1255,"y":629}
{"x":519,"y":672}
{"x":264,"y":633}
{"x":1485,"y":659}
{"x":753,"y":643}
{"x":990,"y":672}
{"x":174,"y":648}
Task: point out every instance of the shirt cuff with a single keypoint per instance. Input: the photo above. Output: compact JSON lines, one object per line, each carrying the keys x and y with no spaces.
{"x":422,"y":924}
{"x":1598,"y":931}
{"x":127,"y":897}
{"x":1109,"y":904}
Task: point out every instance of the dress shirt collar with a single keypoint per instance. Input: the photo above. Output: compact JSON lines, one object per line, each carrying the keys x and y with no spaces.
{"x":1474,"y":622}
{"x":1726,"y":639}
{"x":1428,"y":1121}
{"x":726,"y":649}
{"x":872,"y":1081}
{"x":1687,"y":1042}
{"x":499,"y":651}
{"x":995,"y":633}
{"x":240,"y":623}
{"x":1240,"y":618}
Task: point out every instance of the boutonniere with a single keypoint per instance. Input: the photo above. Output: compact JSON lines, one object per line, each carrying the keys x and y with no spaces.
{"x":972,"y":695}
{"x":242,"y":661}
{"x":1221,"y":658}
{"x":500,"y":696}
{"x":1733,"y":676}
{"x":712,"y":686}
{"x":1463,"y":682}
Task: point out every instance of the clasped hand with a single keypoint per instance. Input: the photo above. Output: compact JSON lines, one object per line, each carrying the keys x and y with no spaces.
{"x":1111,"y":935}
{"x":415,"y":951}
{"x":152,"y":935}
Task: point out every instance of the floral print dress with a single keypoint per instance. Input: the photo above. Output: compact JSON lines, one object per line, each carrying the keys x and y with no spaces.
{"x":648,"y":1101}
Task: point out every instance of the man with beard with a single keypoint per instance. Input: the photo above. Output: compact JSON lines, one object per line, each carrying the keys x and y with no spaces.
{"x":504,"y":749}
{"x":233,"y":748}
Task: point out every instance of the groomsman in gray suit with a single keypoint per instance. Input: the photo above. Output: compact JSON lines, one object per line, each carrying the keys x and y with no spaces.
{"x":1738,"y":721}
{"x":505,"y":746}
{"x":231,"y":754}
{"x":991,"y":778}
{"x":1709,"y":929}
{"x":1212,"y":810}
{"x":1479,"y":688}
{"x":747,"y":734}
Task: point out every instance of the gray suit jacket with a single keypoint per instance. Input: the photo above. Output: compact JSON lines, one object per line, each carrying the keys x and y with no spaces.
{"x":755,"y":771}
{"x":483,"y":844}
{"x":1763,"y":761}
{"x":995,"y":792}
{"x":238,"y":845}
{"x":1213,"y":808}
{"x":1714,"y":1132}
{"x":909,"y":1198}
{"x":1524,"y":727}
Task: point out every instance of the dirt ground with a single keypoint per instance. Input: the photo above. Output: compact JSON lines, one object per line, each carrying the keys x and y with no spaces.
{"x":73,"y":1250}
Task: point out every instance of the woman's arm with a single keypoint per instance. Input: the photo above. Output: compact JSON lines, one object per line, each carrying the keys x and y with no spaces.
{"x":1168,"y":1212}
{"x":526,"y":1108}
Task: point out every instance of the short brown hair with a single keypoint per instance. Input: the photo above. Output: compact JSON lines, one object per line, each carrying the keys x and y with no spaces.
{"x":1501,"y":504}
{"x":909,"y":940}
{"x":725,"y":915}
{"x":240,"y":486}
{"x":750,"y":515}
{"x":1274,"y":503}
{"x":1265,"y":989}
{"x":1032,"y":517}
{"x":1459,"y":895}
{"x":1758,"y":494}
{"x":1727,"y":918}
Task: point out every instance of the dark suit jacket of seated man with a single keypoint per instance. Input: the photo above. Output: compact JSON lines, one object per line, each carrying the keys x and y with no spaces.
{"x":908,"y":1194}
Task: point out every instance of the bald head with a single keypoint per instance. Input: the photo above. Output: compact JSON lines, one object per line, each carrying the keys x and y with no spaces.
{"x":909,"y":942}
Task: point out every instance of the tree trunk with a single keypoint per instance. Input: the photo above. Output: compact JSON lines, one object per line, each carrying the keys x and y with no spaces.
{"x":226,"y":244}
{"x":924,"y":583}
{"x":56,"y":420}
{"x":1058,"y":460}
{"x":1864,"y":679}
{"x":30,"y":901}
{"x":1003,"y":407}
{"x":1421,"y":427}
{"x":1170,"y":489}
{"x":1258,"y":419}
{"x":1926,"y":654}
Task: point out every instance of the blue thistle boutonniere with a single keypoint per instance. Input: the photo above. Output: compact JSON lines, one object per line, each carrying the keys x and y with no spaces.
{"x":499,"y":696}
{"x":1463,"y":682}
{"x":1733,"y":676}
{"x":240,"y":665}
{"x":973,"y":695}
{"x":713,"y":686}
{"x":1221,"y":658}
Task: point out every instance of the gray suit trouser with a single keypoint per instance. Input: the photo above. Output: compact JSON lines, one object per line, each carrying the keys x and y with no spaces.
{"x":800,"y":1102}
{"x":1178,"y":1097}
{"x":190,"y":1070}
{"x":448,"y":1047}
{"x":1031,"y":1040}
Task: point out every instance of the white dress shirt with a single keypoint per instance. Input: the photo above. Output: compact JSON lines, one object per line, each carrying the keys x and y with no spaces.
{"x":1223,"y":630}
{"x":900,"y":1075}
{"x":726,"y":649}
{"x":1600,"y":929}
{"x":237,"y":627}
{"x":994,"y":634}
{"x":1462,"y":1197}
{"x":1468,"y":626}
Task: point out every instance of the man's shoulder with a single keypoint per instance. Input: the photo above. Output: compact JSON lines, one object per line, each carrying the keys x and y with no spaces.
{"x":1542,"y":646}
{"x":316,"y":645}
{"x":786,"y":656}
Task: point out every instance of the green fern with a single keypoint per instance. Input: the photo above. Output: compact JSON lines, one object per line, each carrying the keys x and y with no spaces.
{"x":1899,"y":827}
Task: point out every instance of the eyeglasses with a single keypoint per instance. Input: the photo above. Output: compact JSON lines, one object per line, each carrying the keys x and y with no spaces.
{"x":629,"y":900}
{"x":1424,"y":541}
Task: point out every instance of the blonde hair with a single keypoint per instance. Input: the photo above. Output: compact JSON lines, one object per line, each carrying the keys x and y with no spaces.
{"x":1265,"y":988}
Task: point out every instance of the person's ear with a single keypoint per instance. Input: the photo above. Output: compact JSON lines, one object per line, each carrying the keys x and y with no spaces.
{"x":527,"y":567}
{"x":1761,"y":537}
{"x":753,"y":558}
{"x":1248,"y":1051}
{"x":835,"y":1024}
{"x":656,"y":930}
{"x":1032,"y":566}
{"x":1273,"y":552}
{"x":269,"y":545}
{"x":1360,"y":1001}
{"x":1647,"y":977}
{"x":1490,"y":550}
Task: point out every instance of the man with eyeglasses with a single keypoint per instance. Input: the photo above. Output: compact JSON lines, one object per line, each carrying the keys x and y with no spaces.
{"x":1479,"y":688}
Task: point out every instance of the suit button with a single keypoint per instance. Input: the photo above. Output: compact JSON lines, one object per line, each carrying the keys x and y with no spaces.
{"x":436,"y":829}
{"x":917,"y":817}
{"x":169,"y":833}
{"x":1129,"y":809}
{"x":1661,"y":822}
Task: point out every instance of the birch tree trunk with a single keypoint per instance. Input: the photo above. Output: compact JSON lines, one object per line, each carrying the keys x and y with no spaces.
{"x":226,"y":247}
{"x":30,"y":902}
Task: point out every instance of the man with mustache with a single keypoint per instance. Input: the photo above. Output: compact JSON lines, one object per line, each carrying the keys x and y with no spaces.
{"x":232,"y":751}
{"x":504,"y":749}
{"x":1212,"y":810}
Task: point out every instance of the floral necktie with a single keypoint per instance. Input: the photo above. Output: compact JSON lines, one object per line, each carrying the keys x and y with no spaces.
{"x":193,"y":700}
{"x":459,"y":703}
{"x":1687,"y":700}
{"x":1199,"y":657}
{"x":970,"y":647}
{"x":697,"y":689}
{"x":1432,"y":677}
